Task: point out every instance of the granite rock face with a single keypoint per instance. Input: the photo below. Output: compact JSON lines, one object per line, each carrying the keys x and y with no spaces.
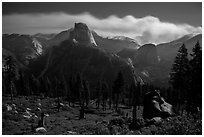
{"x":82,"y":35}
{"x":147,"y":55}
{"x":155,"y":106}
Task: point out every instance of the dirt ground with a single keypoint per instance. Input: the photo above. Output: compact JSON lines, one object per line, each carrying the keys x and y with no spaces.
{"x":21,"y":116}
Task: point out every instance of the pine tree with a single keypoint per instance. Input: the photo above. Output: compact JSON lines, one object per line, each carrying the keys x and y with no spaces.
{"x":136,"y":98}
{"x":87,"y":92}
{"x":98,"y":94}
{"x":22,"y":84}
{"x":118,"y":88}
{"x":195,"y":94}
{"x":79,"y":88}
{"x":67,"y":91}
{"x":48,"y":86}
{"x":179,"y":74}
{"x":32,"y":84}
{"x":11,"y":72}
{"x":104,"y":89}
{"x":72,"y":90}
{"x":42,"y":86}
{"x":56,"y":82}
{"x":111,"y":97}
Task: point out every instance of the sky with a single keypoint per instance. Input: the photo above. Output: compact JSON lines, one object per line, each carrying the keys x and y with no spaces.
{"x":146,"y":22}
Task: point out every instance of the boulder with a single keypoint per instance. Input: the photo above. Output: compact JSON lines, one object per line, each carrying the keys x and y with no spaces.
{"x":40,"y":130}
{"x":156,"y":106}
{"x":155,"y":120}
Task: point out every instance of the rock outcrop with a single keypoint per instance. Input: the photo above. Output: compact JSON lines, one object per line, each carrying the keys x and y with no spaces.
{"x":82,"y":35}
{"x":147,"y":55}
{"x":155,"y":106}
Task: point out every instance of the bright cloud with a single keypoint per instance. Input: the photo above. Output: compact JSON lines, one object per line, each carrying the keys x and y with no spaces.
{"x":148,"y":29}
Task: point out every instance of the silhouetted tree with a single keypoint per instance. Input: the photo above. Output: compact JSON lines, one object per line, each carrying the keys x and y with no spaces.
{"x":58,"y":87}
{"x":37,"y":85}
{"x":195,"y":92}
{"x":86,"y":92}
{"x":104,"y":90}
{"x":79,"y":88}
{"x":72,"y":89}
{"x":22,"y":84}
{"x":11,"y":72}
{"x":98,"y":93}
{"x":32,"y":84}
{"x":67,"y":91}
{"x":179,"y":74}
{"x":42,"y":87}
{"x":27,"y":87}
{"x":48,"y":87}
{"x":136,"y":90}
{"x":118,"y":88}
{"x":82,"y":88}
{"x":111,"y":97}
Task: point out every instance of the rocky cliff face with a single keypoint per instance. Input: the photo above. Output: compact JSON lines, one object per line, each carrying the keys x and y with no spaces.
{"x":69,"y":58}
{"x":82,"y":35}
{"x":23,"y":47}
{"x":115,"y":44}
{"x":147,"y":55}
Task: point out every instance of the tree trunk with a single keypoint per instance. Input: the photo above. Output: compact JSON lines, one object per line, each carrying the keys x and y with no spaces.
{"x":134,"y":114}
{"x":98,"y":103}
{"x":87,"y":103}
{"x":11,"y":90}
{"x":58,"y":103}
{"x":81,"y":115}
{"x":117,"y":100}
{"x":110,"y":104}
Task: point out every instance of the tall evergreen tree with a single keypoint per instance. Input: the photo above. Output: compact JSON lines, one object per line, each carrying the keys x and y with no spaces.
{"x":57,"y":84}
{"x":111,"y":97}
{"x":66,"y":89}
{"x":11,"y":72}
{"x":87,"y":92}
{"x":179,"y":74}
{"x":98,"y":93}
{"x":79,"y":88}
{"x":22,"y":84}
{"x":72,"y":89}
{"x":136,"y":98}
{"x":48,"y":86}
{"x":195,"y":92}
{"x":118,"y":88}
{"x":104,"y":89}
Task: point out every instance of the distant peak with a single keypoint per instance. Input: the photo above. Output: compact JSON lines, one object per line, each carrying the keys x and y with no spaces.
{"x":81,"y":25}
{"x":149,"y":45}
{"x":82,"y":35}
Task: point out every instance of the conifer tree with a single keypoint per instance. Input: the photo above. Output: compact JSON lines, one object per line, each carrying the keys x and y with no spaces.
{"x":98,"y":94}
{"x":72,"y":89}
{"x":67,"y":91}
{"x":87,"y":92}
{"x":79,"y":88}
{"x":104,"y":89}
{"x":11,"y":72}
{"x":118,"y":88}
{"x":57,"y":90}
{"x":110,"y":99}
{"x":136,"y":97}
{"x":22,"y":84}
{"x":195,"y":92}
{"x":48,"y":86}
{"x":179,"y":74}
